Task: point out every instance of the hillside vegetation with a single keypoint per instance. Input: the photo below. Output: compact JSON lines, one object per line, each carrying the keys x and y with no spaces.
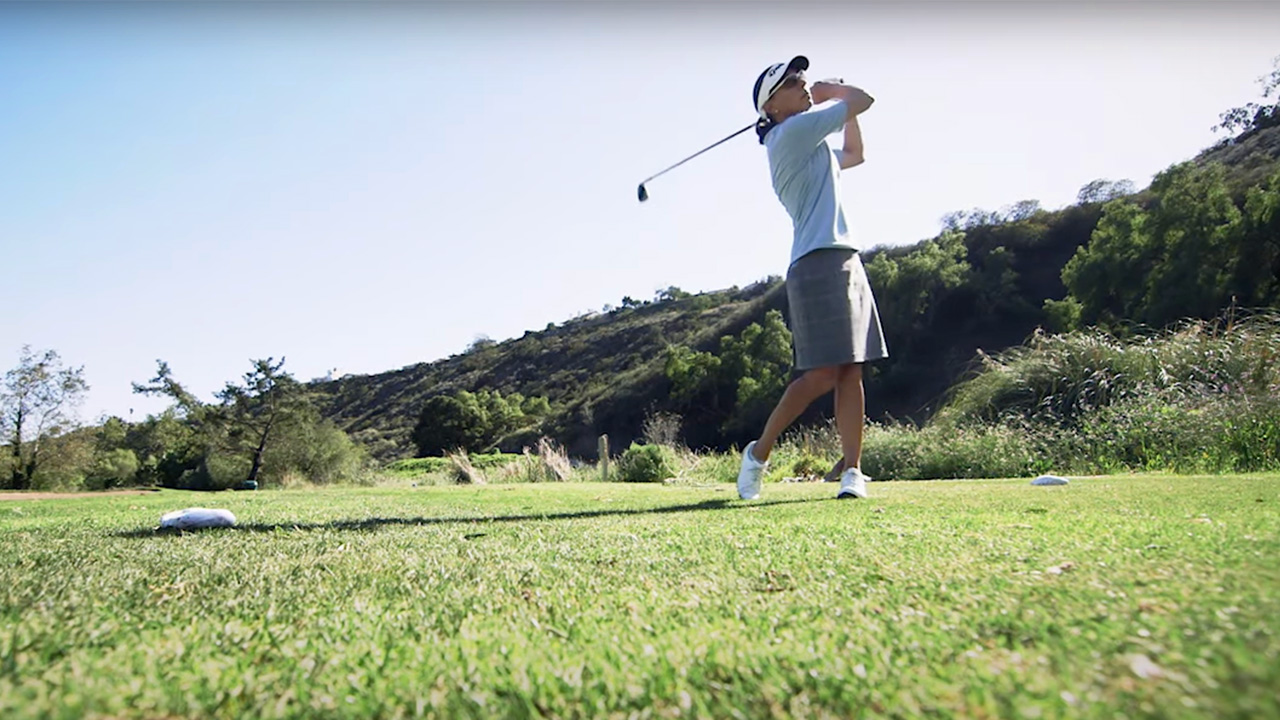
{"x":1204,"y":236}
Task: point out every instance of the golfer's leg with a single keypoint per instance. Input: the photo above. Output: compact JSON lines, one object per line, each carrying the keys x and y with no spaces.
{"x":799,"y":394}
{"x":850,"y":413}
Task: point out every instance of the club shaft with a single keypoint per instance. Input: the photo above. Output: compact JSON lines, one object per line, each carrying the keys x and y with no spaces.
{"x":673,"y":167}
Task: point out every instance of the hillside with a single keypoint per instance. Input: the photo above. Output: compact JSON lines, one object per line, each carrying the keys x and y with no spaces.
{"x":1251,"y":156}
{"x":981,"y":287}
{"x":598,"y":371}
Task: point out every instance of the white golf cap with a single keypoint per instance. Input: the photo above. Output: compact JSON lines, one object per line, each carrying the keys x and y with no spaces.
{"x":769,"y":80}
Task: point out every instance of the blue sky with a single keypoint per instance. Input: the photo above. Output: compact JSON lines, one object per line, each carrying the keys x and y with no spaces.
{"x":362,"y":187}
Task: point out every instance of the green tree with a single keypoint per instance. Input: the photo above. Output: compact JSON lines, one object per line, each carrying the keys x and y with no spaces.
{"x":689,"y":371}
{"x":253,"y":409}
{"x":112,"y":468}
{"x":997,"y":282}
{"x":1198,"y":231}
{"x":167,"y":447}
{"x":307,"y":446}
{"x":734,"y":388}
{"x":473,"y":421}
{"x":1187,"y":255}
{"x":111,"y":434}
{"x":1104,"y":191}
{"x":448,"y":423}
{"x":911,"y":288}
{"x":1062,"y":315}
{"x":1022,"y":210}
{"x":1256,"y":279}
{"x":37,"y":403}
{"x":262,"y":429}
{"x":113,"y":463}
{"x":756,"y":364}
{"x":1105,"y":276}
{"x":670,"y":293}
{"x":961,"y":220}
{"x":1252,"y":117}
{"x":535,"y":407}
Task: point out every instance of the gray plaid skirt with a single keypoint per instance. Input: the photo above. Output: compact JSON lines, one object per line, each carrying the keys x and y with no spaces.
{"x":833,"y":313}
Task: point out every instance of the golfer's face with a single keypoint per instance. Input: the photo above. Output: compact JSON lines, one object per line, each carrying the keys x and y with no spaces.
{"x":793,"y":93}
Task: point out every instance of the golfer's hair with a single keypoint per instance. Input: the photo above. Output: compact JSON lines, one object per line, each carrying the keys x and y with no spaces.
{"x":763,"y":126}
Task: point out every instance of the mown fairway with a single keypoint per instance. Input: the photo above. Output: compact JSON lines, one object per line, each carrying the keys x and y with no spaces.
{"x":1138,"y":596}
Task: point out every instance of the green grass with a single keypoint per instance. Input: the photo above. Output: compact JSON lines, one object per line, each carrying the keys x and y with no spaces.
{"x":1141,"y":596}
{"x":417,"y":468}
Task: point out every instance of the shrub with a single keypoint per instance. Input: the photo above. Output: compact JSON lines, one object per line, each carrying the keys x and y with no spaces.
{"x":790,"y":459}
{"x":114,"y":468}
{"x":317,"y":452}
{"x":415,"y":468}
{"x":1184,"y":434}
{"x":647,"y":463}
{"x":807,"y":466}
{"x":713,"y":467}
{"x":903,"y":452}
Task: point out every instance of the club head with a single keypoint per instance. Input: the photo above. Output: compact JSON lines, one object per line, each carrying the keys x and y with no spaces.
{"x":642,"y":193}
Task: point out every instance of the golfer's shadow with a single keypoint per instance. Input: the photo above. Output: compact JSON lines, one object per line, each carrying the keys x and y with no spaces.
{"x":374,"y":523}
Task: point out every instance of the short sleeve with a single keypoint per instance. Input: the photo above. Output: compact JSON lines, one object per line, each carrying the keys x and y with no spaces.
{"x":806,"y":130}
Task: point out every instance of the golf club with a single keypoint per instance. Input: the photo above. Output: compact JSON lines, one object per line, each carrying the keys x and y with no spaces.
{"x":644,"y":194}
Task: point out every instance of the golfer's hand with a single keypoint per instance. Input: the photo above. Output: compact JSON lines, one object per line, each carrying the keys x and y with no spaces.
{"x":856,"y":98}
{"x":822,"y":91}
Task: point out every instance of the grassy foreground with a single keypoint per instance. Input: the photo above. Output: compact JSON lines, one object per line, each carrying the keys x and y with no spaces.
{"x":1148,"y":596}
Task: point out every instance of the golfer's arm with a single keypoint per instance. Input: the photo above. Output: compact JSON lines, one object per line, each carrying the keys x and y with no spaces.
{"x":851,"y":154}
{"x":856,"y":101}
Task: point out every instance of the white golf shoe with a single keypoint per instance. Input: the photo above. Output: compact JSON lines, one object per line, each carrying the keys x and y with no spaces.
{"x":749,"y":477}
{"x":853,"y":484}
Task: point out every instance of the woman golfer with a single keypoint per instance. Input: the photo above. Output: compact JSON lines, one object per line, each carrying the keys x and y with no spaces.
{"x":834,"y":324}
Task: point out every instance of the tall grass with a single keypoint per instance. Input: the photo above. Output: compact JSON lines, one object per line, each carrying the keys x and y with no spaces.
{"x":1064,"y":378}
{"x":1202,"y":397}
{"x":548,"y":462}
{"x":461,"y":471}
